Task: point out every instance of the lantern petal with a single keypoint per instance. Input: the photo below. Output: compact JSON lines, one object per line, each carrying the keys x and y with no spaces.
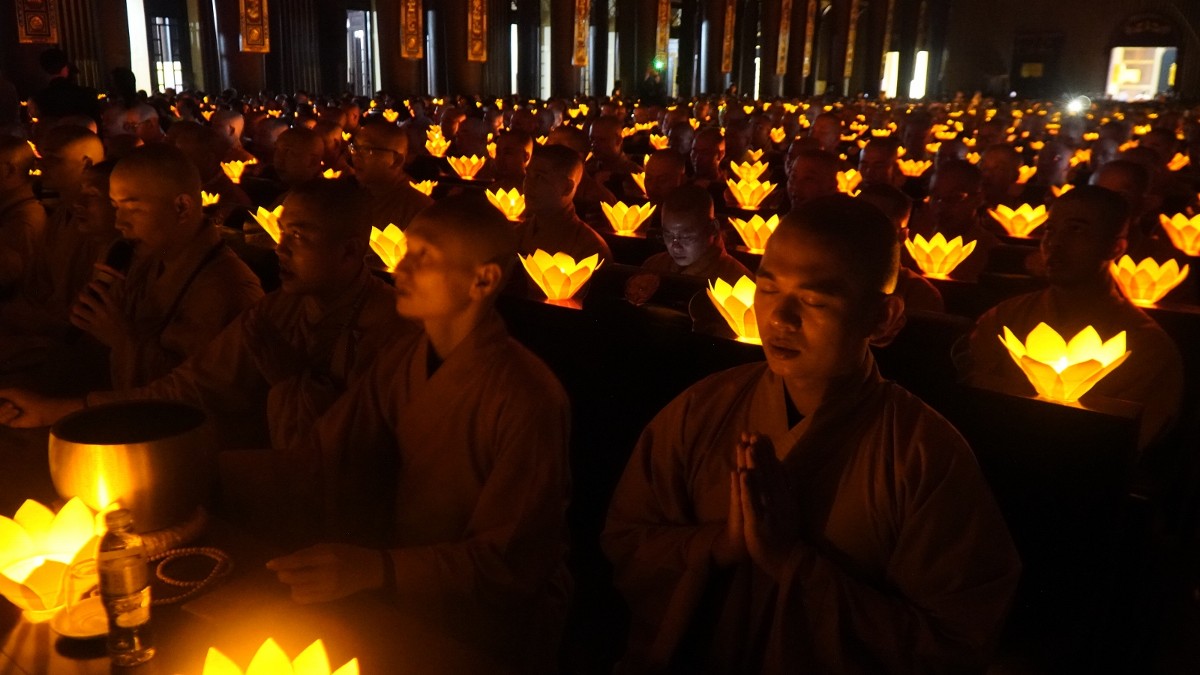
{"x":15,"y":542}
{"x":349,"y":668}
{"x":34,"y":517}
{"x":1045,"y":345}
{"x":269,"y":660}
{"x":216,"y":663}
{"x":312,"y":661}
{"x":72,"y":527}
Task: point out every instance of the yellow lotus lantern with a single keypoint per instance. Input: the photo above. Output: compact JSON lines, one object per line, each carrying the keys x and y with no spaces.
{"x":754,"y":155}
{"x":1060,"y":370}
{"x":1080,"y":156}
{"x":466,"y":167}
{"x":1091,"y":136}
{"x":389,"y":244}
{"x":1184,"y":232}
{"x":625,"y":220}
{"x":331,"y":174}
{"x":33,"y":147}
{"x":1177,"y":162}
{"x":946,"y":135}
{"x":511,"y":203}
{"x":491,"y":148}
{"x":207,"y":114}
{"x":973,"y":157}
{"x":34,"y":173}
{"x":936,"y":256}
{"x":747,"y":109}
{"x":736,"y":305}
{"x":914,"y":168}
{"x":755,"y":231}
{"x":207,"y":199}
{"x":626,"y":132}
{"x":1059,"y":191}
{"x":425,"y":187}
{"x":274,"y":113}
{"x":881,"y":133}
{"x":1127,"y":145}
{"x":778,"y":135}
{"x":969,"y":142}
{"x":270,"y":659}
{"x":640,"y":179}
{"x":748,"y":170}
{"x":749,"y":194}
{"x":391,"y":116}
{"x":269,"y":221}
{"x":848,"y":181}
{"x":658,"y":142}
{"x":583,"y":108}
{"x":541,"y":140}
{"x":36,"y":548}
{"x":1147,"y":282}
{"x":1037,"y":146}
{"x":234,"y":170}
{"x":346,"y":136}
{"x":1026,"y":172}
{"x":694,"y":122}
{"x":1141,"y":129}
{"x":849,"y":138}
{"x":558,"y":275}
{"x":932,"y":148}
{"x":1020,"y":222}
{"x":437,"y":146}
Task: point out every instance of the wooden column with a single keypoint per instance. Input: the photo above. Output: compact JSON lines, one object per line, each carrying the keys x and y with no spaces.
{"x":647,"y":33}
{"x":399,"y":75}
{"x":770,"y":84}
{"x":564,"y":77}
{"x":529,"y":21}
{"x":598,"y":59}
{"x":497,"y":72}
{"x":689,"y":48}
{"x":744,"y":46}
{"x":840,"y":15}
{"x":799,"y":82}
{"x":462,"y":75}
{"x":713,"y":80}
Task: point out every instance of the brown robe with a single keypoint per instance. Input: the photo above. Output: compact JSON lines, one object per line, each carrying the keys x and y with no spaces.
{"x":22,"y":228}
{"x":573,"y":237}
{"x":1151,"y":376}
{"x":904,"y":563}
{"x":281,"y":363}
{"x":714,"y":264}
{"x":397,"y":206}
{"x":918,"y":293}
{"x":177,"y":307}
{"x":474,"y":460}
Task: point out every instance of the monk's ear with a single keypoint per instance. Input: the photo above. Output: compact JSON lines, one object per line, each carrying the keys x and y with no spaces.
{"x":1118,"y":248}
{"x":889,"y":319}
{"x":184,"y":203}
{"x":487,"y":281}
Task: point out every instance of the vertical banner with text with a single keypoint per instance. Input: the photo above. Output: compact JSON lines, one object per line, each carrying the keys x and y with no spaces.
{"x":810,"y":24}
{"x":785,"y":36}
{"x":477,"y":30}
{"x":579,"y":56}
{"x":851,"y":39}
{"x":37,"y":21}
{"x":412,"y":29}
{"x":663,"y":35}
{"x":256,"y":31}
{"x":727,"y":41}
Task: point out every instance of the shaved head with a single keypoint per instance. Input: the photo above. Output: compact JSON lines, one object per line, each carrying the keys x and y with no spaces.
{"x":338,"y":208}
{"x":470,"y":229}
{"x":858,"y":233}
{"x":16,"y":152}
{"x":388,"y":136}
{"x":164,"y":167}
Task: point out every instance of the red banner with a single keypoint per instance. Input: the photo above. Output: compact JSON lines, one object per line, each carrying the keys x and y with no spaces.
{"x":727,"y":42}
{"x":256,"y":32}
{"x":412,"y":29}
{"x":785,"y":37}
{"x":582,"y":11}
{"x":477,"y":30}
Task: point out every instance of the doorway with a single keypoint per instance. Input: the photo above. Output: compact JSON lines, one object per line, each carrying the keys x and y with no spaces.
{"x":360,"y":51}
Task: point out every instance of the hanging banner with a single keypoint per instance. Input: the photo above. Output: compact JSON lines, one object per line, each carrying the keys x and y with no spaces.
{"x":663,"y":36}
{"x":785,"y":35}
{"x":851,"y":38}
{"x":810,"y":22}
{"x":580,"y":53}
{"x":412,"y":29}
{"x":37,"y":21}
{"x":477,"y":30}
{"x":256,"y":32}
{"x":727,"y":42}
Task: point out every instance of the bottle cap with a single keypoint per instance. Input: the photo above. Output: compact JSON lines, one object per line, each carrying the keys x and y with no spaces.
{"x":118,"y":519}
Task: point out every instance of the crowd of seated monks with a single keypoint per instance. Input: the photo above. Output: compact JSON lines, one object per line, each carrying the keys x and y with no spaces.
{"x":333,"y":281}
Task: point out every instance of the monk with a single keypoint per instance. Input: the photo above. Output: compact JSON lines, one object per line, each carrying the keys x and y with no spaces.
{"x":916,"y":291}
{"x":444,"y":471}
{"x":1084,"y":234}
{"x":230,"y":126}
{"x":184,"y":285}
{"x":550,"y":222}
{"x":665,"y":171}
{"x":955,"y":200}
{"x":281,"y":363}
{"x":22,"y":218}
{"x":813,"y":174}
{"x":379,"y":153}
{"x":803,"y":514}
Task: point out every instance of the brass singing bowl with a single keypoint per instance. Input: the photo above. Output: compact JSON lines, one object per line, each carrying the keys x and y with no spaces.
{"x":152,"y":457}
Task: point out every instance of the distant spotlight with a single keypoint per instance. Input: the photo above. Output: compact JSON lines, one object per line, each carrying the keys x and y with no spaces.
{"x":1078,"y":105}
{"x":659,"y":65}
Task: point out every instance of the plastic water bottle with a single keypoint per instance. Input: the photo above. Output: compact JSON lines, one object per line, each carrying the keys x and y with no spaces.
{"x":125,"y":590}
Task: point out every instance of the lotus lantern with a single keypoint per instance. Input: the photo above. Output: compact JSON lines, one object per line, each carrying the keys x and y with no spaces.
{"x":778,"y":135}
{"x":491,"y":148}
{"x":269,"y":221}
{"x":1177,"y":162}
{"x":640,"y":179}
{"x":331,"y":174}
{"x":346,"y":136}
{"x":425,"y":187}
{"x":881,"y":133}
{"x":1059,"y":191}
{"x":437,"y":146}
{"x":466,"y":167}
{"x":389,"y":244}
{"x":937,"y":257}
{"x":558,"y":275}
{"x":1147,"y":282}
{"x":748,"y":170}
{"x":511,"y":203}
{"x":914,"y":168}
{"x":1183,"y":231}
{"x":754,"y":155}
{"x":1019,"y":222}
{"x":207,"y":199}
{"x":207,"y":114}
{"x":658,"y":142}
{"x":1080,"y":156}
{"x":932,"y":148}
{"x":234,"y":170}
{"x":1026,"y":172}
{"x":848,"y":181}
{"x":270,"y":659}
{"x":541,"y":140}
{"x":755,"y":231}
{"x":1060,"y":370}
{"x":747,"y":109}
{"x":694,"y":122}
{"x":749,"y":194}
{"x":625,"y":220}
{"x":391,"y":116}
{"x":736,"y":305}
{"x":36,"y":548}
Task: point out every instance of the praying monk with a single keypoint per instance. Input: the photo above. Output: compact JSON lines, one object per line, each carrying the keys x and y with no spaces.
{"x":1083,"y":235}
{"x":285,"y":360}
{"x":803,"y":514}
{"x":184,"y":284}
{"x":444,"y":470}
{"x":379,"y":153}
{"x":550,"y":220}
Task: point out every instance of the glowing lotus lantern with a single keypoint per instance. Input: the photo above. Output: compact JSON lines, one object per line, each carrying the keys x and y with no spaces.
{"x":1060,"y":370}
{"x":973,"y":157}
{"x":1091,"y":136}
{"x":748,"y":170}
{"x":331,"y":174}
{"x":33,"y":147}
{"x":658,"y":142}
{"x":207,"y":114}
{"x":1184,"y":232}
{"x":541,"y":140}
{"x":755,"y":231}
{"x":1020,"y":222}
{"x":881,"y":133}
{"x":914,"y":168}
{"x":270,"y":659}
{"x":694,"y":122}
{"x":1147,"y":282}
{"x":1177,"y":162}
{"x":425,"y":187}
{"x":35,"y":172}
{"x":1141,"y":129}
{"x":391,"y":116}
{"x":1026,"y":172}
{"x":625,"y":220}
{"x":932,"y":148}
{"x":747,"y":109}
{"x":1059,"y":191}
{"x":1036,"y":146}
{"x":1080,"y":156}
{"x":234,"y":170}
{"x":36,"y":548}
{"x":274,"y":113}
{"x":848,"y":181}
{"x":749,"y":194}
{"x":946,"y":135}
{"x":346,"y":136}
{"x":491,"y":148}
{"x":510,"y":203}
{"x":558,"y":275}
{"x":466,"y":167}
{"x":969,"y":142}
{"x":269,"y":221}
{"x":849,"y":138}
{"x":937,"y":257}
{"x":207,"y":199}
{"x":437,"y":146}
{"x":754,"y":155}
{"x":1127,"y":145}
{"x":626,"y":132}
{"x":736,"y":305}
{"x":389,"y":244}
{"x":778,"y":135}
